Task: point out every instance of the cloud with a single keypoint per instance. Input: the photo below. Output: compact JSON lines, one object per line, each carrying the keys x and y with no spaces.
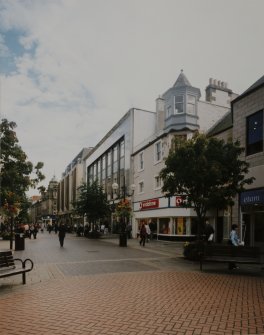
{"x":85,"y":63}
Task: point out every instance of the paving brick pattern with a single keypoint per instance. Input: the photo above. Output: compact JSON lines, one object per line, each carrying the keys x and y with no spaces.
{"x":62,"y":299}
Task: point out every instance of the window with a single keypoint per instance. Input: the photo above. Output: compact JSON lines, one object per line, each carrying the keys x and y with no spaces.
{"x":90,"y":175}
{"x":99,"y":171}
{"x":122,"y":155}
{"x":168,"y":111}
{"x":254,"y":133}
{"x":141,"y":187}
{"x":109,"y":164}
{"x":157,"y":182}
{"x":190,"y":104}
{"x":141,"y":161}
{"x":103,"y":168}
{"x":178,"y":104}
{"x":115,"y":159}
{"x":157,"y":153}
{"x":94,"y":171}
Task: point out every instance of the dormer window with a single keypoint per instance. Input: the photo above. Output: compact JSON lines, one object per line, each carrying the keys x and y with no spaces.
{"x":178,"y":104}
{"x":169,"y":112}
{"x":190,"y":104}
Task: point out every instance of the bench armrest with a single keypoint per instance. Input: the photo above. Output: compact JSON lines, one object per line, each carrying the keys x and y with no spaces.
{"x":23,"y":263}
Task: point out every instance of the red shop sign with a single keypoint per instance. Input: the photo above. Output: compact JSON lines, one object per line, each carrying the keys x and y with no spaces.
{"x":149,"y":204}
{"x":179,"y":201}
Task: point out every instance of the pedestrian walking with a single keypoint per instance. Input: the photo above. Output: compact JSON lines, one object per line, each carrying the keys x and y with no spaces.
{"x":148,"y":232}
{"x":35,"y":231}
{"x":234,"y":241}
{"x":209,"y":232}
{"x":31,"y":230}
{"x":62,"y":233}
{"x":143,"y":234}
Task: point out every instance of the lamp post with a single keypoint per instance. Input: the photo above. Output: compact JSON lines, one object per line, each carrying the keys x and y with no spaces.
{"x":123,"y":223}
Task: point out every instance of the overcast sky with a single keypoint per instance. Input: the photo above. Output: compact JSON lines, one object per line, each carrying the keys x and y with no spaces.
{"x":70,"y":69}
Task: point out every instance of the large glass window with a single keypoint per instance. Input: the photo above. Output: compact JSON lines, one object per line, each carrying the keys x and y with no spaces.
{"x":122,"y":155}
{"x":178,"y":104}
{"x":164,"y":226}
{"x":109,"y":164}
{"x":254,"y":133}
{"x":90,"y":174}
{"x":94,"y":172}
{"x":190,"y":104}
{"x":115,"y":159}
{"x":180,"y":226}
{"x":103,"y":168}
{"x":99,"y":171}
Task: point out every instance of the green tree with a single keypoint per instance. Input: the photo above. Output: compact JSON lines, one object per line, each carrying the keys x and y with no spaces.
{"x":17,"y":174}
{"x":91,"y":202}
{"x":207,"y":172}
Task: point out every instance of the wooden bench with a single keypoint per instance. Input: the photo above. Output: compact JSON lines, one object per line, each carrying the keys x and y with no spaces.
{"x":8,"y":267}
{"x":229,"y":254}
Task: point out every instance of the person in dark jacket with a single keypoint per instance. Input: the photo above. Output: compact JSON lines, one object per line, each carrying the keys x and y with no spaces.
{"x":143,"y":234}
{"x":62,"y":233}
{"x":209,"y":232}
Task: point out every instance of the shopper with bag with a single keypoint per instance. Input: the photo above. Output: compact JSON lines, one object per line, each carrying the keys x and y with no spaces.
{"x":234,"y":241}
{"x":209,"y":232}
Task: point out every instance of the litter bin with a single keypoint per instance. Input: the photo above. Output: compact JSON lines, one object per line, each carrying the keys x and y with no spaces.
{"x":19,"y":242}
{"x":123,"y":239}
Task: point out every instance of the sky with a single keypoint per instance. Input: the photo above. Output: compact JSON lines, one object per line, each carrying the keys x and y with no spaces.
{"x":70,"y":69}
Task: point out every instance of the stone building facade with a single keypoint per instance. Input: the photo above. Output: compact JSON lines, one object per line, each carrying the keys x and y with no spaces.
{"x":248,"y":128}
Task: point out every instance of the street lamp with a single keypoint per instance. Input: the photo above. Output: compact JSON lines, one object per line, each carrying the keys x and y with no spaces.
{"x":123,"y":195}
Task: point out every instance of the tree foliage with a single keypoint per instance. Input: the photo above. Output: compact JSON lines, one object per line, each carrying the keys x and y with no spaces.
{"x":91,"y":202}
{"x":206,"y":171}
{"x":17,"y":173}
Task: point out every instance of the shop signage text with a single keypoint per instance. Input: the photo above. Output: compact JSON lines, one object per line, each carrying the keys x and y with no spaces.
{"x":149,"y":204}
{"x":252,"y":197}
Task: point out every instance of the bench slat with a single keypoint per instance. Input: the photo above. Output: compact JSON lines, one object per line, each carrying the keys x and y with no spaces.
{"x":227,"y":253}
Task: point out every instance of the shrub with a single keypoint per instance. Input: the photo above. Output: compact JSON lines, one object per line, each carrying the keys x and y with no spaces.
{"x":191,"y":250}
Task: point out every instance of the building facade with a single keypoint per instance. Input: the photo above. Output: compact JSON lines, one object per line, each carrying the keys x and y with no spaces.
{"x":73,"y":176}
{"x":44,"y":209}
{"x":248,"y":128}
{"x":179,"y":112}
{"x":110,"y":162}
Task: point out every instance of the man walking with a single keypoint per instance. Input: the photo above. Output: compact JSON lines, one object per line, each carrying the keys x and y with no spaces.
{"x":62,"y":233}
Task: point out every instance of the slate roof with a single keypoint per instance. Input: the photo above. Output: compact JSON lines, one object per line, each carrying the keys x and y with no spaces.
{"x":252,"y":88}
{"x":223,"y":124}
{"x":182,"y":81}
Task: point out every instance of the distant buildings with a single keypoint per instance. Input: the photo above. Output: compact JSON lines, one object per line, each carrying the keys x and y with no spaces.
{"x":44,"y":207}
{"x":72,"y":178}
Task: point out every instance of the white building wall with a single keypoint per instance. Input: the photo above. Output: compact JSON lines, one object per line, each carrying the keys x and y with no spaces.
{"x":144,"y":126}
{"x":209,"y":114}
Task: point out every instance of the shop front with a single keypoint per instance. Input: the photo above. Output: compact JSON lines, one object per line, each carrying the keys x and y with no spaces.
{"x":252,"y":217}
{"x":167,"y":219}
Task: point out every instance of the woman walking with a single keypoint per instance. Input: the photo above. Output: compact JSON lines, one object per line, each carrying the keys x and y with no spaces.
{"x":143,"y":234}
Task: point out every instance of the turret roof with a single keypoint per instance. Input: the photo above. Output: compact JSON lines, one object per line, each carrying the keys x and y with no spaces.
{"x":182,"y":80}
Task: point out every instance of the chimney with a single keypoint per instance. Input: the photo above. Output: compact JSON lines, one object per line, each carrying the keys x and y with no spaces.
{"x":160,"y":114}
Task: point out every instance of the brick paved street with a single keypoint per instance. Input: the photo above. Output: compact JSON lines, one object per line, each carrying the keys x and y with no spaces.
{"x":95,"y":287}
